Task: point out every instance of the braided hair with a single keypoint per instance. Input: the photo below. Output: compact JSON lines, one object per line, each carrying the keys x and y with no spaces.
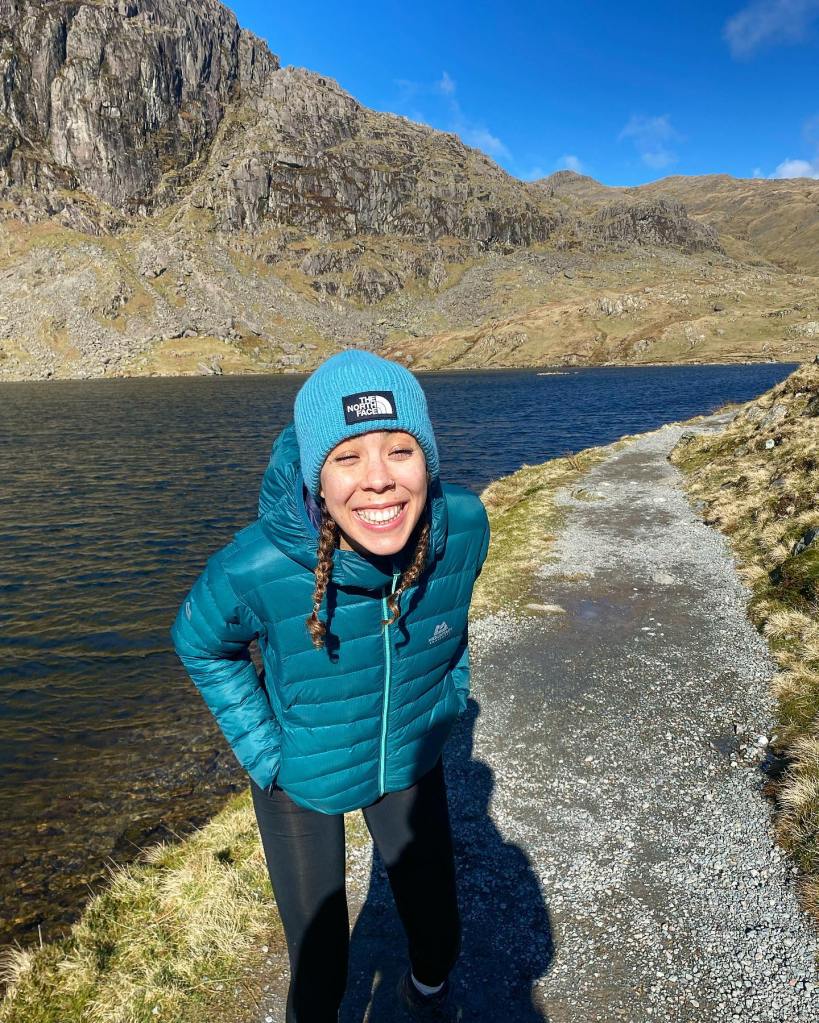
{"x":327,"y":543}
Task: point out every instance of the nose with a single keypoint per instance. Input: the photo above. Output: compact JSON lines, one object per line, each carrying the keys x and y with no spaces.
{"x":377,"y":477}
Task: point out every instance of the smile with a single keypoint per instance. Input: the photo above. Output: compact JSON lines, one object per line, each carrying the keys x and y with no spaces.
{"x":380,"y":516}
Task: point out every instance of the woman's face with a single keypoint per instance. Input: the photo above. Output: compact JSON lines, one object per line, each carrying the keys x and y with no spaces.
{"x":375,"y":487}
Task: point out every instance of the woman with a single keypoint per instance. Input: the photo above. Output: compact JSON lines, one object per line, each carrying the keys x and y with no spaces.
{"x":354,"y":707}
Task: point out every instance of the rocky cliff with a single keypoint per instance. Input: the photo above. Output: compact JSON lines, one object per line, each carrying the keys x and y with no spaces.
{"x":119,"y":98}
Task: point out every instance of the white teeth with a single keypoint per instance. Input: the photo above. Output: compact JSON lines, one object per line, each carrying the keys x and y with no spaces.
{"x":382,"y":515}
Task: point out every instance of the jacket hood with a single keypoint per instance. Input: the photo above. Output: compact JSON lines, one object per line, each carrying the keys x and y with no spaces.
{"x":285,"y":520}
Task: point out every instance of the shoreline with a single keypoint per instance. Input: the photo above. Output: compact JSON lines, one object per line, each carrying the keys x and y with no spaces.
{"x":560,"y":367}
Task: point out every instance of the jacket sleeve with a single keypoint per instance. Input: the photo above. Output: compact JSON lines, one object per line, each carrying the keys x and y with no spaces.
{"x":460,"y":669}
{"x":212,"y":634}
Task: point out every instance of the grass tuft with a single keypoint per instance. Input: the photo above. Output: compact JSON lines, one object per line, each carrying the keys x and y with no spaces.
{"x":181,"y":934}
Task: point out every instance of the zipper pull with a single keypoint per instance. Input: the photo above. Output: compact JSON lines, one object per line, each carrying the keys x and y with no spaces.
{"x":388,"y":593}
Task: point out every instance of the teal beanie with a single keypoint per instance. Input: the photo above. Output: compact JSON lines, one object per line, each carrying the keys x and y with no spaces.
{"x":355,"y":392}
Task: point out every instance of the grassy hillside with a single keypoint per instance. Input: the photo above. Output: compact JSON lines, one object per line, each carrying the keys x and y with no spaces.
{"x":778,"y":220}
{"x":631,"y":308}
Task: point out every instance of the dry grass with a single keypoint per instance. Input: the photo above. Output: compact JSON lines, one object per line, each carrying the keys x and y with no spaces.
{"x":758,"y":484}
{"x":677,"y":310}
{"x":178,"y":935}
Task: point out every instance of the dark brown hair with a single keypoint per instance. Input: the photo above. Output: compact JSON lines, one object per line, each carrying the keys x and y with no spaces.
{"x":327,"y":543}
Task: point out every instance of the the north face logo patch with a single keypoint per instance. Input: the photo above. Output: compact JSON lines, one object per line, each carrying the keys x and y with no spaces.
{"x":368,"y":405}
{"x":442,"y":630}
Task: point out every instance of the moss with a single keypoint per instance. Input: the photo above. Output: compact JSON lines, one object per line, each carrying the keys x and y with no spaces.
{"x":795,"y":583}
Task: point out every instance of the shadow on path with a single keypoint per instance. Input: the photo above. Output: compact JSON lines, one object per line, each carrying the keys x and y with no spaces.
{"x":507,"y":934}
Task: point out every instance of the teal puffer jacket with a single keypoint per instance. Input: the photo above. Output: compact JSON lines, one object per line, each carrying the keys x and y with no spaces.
{"x":369,"y":712}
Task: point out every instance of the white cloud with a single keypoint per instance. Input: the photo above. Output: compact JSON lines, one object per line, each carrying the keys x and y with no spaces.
{"x":407,"y":88}
{"x":651,"y":136}
{"x":471,"y":132}
{"x":482,"y":138}
{"x":797,"y":169}
{"x":446,"y":84}
{"x":758,"y":172}
{"x":810,"y":131}
{"x":534,"y":174}
{"x":767,"y":22}
{"x":566,"y":162}
{"x":570,"y":162}
{"x":658,"y":157}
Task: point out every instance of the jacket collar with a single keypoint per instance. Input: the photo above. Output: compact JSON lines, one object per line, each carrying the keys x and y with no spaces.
{"x":285,"y":521}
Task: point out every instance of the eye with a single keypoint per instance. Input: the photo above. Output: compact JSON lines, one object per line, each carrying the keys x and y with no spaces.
{"x":402,"y":451}
{"x":345,"y":458}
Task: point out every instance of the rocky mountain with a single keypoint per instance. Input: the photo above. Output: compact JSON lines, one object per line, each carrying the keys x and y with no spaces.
{"x":143,"y":104}
{"x":172,"y":200}
{"x":775,"y":219}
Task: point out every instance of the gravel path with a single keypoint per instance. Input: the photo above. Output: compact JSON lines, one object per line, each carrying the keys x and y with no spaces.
{"x":614,"y":850}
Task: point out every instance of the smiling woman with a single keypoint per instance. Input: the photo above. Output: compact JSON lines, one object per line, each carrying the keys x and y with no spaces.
{"x":375,"y":488}
{"x":355,"y":707}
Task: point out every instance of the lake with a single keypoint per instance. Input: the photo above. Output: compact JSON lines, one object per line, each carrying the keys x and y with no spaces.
{"x":114,"y":494}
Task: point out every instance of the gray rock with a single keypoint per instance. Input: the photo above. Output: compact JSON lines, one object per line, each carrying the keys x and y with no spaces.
{"x":773,"y":417}
{"x":108,"y":96}
{"x":805,"y":541}
{"x":652,"y":222}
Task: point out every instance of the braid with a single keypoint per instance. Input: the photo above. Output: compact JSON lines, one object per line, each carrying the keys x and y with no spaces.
{"x":327,"y":543}
{"x":411,"y":574}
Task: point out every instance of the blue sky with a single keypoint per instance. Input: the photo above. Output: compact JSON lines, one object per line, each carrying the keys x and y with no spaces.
{"x":626,"y":93}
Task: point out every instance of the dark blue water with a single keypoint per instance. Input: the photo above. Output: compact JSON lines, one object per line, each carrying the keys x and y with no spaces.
{"x":114,"y":493}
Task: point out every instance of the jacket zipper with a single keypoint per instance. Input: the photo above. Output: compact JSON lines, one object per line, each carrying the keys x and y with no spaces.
{"x":382,"y":769}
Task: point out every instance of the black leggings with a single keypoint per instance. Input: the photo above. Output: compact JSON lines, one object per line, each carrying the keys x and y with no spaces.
{"x":305,"y":853}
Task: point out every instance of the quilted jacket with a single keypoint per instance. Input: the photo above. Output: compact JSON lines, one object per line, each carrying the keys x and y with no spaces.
{"x":368,"y":713}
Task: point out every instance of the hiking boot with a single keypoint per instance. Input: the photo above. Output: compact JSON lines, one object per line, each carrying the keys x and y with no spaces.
{"x":438,"y":1006}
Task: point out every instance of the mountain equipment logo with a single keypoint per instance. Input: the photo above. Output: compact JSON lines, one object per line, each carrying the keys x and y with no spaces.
{"x":442,"y":631}
{"x":368,"y":405}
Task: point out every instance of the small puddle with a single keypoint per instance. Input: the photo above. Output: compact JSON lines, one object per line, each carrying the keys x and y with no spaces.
{"x":587,"y":610}
{"x":598,"y":610}
{"x":726,"y":744}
